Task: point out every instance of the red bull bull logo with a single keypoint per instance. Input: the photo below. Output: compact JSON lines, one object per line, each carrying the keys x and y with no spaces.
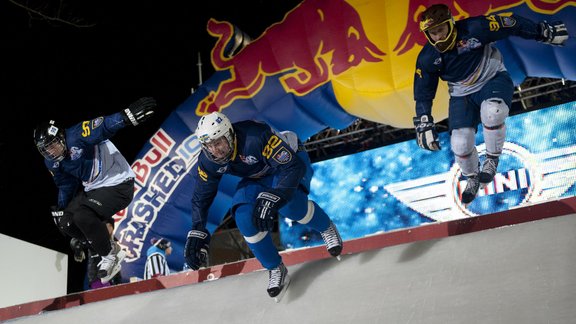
{"x":317,"y":40}
{"x":462,"y":9}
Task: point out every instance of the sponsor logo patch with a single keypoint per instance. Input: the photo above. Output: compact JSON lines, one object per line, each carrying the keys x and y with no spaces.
{"x":75,"y":153}
{"x":97,"y":122}
{"x":248,"y":159}
{"x":283,"y":156}
{"x":507,"y":21}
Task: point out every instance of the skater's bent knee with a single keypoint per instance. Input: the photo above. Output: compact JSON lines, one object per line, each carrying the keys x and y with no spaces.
{"x":493,"y":112}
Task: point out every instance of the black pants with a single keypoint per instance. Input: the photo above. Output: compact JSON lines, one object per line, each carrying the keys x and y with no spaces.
{"x":86,"y":216}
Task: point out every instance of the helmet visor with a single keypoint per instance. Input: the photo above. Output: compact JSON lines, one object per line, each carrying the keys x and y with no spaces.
{"x":219,"y":149}
{"x":54,"y":150}
{"x":442,"y":36}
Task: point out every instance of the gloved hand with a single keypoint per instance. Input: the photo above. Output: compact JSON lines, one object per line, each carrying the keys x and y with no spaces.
{"x":197,"y":248}
{"x":57,"y":214}
{"x":426,"y":133}
{"x":554,"y":33}
{"x":78,"y":248}
{"x":139,"y":111}
{"x":266,"y":210}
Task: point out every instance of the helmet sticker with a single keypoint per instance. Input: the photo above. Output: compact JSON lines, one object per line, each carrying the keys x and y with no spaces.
{"x":52,"y":130}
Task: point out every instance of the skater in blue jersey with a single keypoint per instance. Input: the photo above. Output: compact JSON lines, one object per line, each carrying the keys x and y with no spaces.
{"x":462,"y":54}
{"x":94,"y":180}
{"x":276,"y":173}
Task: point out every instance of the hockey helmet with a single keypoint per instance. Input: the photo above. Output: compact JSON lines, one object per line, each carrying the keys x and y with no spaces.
{"x":434,"y":16}
{"x":50,"y":141}
{"x":162,"y":243}
{"x":212,"y":130}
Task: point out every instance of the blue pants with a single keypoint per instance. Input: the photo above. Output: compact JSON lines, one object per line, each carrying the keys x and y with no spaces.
{"x":298,"y":208}
{"x":465,"y":111}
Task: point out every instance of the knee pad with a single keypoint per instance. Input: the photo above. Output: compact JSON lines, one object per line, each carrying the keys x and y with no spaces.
{"x":493,"y":112}
{"x":462,"y":141}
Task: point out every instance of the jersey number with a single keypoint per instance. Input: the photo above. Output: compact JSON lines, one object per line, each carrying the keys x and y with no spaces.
{"x":86,"y":129}
{"x":273,"y":142}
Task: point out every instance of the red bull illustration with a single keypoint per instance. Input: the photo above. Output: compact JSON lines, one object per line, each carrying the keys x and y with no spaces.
{"x":305,"y":59}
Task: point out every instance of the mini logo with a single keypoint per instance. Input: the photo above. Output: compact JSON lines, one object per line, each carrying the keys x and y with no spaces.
{"x":522,"y":178}
{"x":514,"y":184}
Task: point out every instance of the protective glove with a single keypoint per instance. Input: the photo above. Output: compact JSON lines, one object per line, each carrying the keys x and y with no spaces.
{"x":266,"y":210}
{"x":426,"y":133}
{"x":57,"y":214}
{"x":197,"y":248}
{"x":78,"y":248}
{"x":554,"y":33}
{"x":139,"y":111}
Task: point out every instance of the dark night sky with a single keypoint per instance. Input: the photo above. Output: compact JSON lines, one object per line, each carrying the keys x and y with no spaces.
{"x":51,"y":70}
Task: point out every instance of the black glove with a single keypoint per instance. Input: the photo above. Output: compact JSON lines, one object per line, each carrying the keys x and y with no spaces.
{"x":554,"y":33}
{"x":78,"y":248}
{"x":139,"y":111}
{"x":266,"y":210}
{"x":426,"y":133}
{"x":197,"y":249}
{"x":57,"y":214}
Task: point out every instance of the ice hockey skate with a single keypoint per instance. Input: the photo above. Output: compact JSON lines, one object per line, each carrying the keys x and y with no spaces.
{"x":472,"y":186}
{"x":333,"y":241}
{"x":488,"y":171}
{"x":278,"y":282}
{"x":110,"y":264}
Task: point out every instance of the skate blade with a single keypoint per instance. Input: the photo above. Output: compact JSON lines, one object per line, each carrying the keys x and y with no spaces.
{"x":284,"y":289}
{"x":116,"y":269}
{"x":339,"y":257}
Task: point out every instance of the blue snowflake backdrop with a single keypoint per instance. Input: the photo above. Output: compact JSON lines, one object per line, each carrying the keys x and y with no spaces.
{"x":351,"y":189}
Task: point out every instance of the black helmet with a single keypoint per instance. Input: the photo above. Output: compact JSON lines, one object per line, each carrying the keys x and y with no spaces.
{"x":161,"y":243}
{"x":434,"y":16}
{"x":50,"y":141}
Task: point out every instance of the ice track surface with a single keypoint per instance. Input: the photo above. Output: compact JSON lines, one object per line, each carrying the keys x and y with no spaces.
{"x":520,"y":273}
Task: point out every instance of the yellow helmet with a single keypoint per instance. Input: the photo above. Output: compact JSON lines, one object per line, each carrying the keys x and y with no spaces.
{"x":434,"y":16}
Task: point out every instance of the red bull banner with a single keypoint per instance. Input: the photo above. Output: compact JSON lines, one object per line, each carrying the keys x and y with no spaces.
{"x":327,"y":63}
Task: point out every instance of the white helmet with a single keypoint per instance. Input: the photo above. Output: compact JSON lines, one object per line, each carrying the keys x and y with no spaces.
{"x":211,"y":127}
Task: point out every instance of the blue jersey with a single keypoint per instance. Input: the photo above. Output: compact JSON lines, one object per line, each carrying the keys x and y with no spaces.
{"x":472,"y":62}
{"x":91,"y":159}
{"x":259,"y":152}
